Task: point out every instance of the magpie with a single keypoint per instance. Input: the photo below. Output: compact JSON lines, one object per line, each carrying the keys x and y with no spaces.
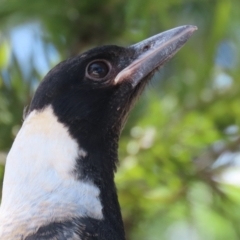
{"x":59,"y":175}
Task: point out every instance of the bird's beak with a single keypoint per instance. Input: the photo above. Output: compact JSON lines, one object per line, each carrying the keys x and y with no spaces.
{"x":153,"y":52}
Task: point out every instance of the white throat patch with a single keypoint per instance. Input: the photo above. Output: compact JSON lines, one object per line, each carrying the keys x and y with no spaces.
{"x":39,"y":184}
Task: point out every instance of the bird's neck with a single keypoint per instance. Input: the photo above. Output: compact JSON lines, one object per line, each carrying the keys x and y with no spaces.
{"x":103,"y":178}
{"x":99,"y":165}
{"x":50,"y":177}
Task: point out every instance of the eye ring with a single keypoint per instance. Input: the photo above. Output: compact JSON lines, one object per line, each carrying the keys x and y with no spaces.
{"x":98,"y":69}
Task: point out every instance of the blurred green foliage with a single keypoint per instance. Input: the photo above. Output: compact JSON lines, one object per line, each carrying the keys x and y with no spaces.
{"x":169,"y":184}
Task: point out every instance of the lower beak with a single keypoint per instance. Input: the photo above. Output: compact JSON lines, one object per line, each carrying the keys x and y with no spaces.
{"x":153,"y":52}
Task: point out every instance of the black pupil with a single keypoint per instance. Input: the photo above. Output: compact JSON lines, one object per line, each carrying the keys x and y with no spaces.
{"x":98,"y":69}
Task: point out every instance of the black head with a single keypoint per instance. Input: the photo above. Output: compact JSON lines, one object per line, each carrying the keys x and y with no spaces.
{"x":83,"y":93}
{"x":93,"y":92}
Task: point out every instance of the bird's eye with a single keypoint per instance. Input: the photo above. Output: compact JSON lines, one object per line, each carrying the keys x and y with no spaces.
{"x":98,"y":69}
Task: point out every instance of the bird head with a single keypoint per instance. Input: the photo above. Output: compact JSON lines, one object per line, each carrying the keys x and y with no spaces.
{"x":92,"y":93}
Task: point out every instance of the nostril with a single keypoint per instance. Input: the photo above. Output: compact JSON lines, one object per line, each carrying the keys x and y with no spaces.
{"x":146,"y":47}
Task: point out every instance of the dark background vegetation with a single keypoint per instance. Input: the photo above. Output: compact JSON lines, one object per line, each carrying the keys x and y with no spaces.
{"x":179,"y":172}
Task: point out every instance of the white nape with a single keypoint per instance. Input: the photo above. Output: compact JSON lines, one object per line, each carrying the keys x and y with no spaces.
{"x":39,"y":184}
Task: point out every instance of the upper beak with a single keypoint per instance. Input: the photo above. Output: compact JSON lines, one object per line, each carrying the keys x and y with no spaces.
{"x":153,"y":52}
